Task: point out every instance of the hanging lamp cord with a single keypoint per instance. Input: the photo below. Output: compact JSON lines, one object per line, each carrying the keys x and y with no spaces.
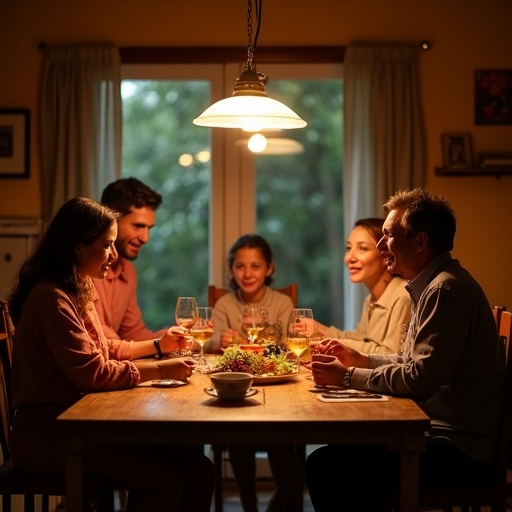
{"x":251,"y":47}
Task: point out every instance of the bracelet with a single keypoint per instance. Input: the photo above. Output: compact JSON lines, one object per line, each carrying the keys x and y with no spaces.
{"x":159,"y":353}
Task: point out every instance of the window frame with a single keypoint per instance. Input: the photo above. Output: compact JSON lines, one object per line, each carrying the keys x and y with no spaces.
{"x":233,"y":173}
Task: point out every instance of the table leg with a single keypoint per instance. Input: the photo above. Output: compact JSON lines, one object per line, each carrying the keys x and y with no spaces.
{"x":75,"y":495}
{"x":409,"y":480}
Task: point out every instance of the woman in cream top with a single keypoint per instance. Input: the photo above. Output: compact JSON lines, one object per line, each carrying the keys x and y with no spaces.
{"x":387,"y":308}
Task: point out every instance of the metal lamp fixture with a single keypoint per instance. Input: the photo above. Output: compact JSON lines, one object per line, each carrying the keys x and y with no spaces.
{"x":249,"y":108}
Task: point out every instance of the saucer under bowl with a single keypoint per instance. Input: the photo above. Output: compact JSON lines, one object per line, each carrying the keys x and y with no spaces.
{"x":212,"y":392}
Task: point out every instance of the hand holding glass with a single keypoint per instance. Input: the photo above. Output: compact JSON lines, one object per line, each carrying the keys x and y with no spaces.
{"x":202,"y":331}
{"x":186,"y":315}
{"x":300,"y":325}
{"x":304,"y":319}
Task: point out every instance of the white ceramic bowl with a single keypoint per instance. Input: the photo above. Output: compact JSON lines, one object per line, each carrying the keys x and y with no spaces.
{"x":231,"y":385}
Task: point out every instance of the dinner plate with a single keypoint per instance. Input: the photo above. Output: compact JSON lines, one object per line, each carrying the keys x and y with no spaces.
{"x":273,"y":379}
{"x":213,"y":392}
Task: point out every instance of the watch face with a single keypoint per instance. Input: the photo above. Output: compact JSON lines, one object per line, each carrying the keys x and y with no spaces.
{"x":347,"y":380}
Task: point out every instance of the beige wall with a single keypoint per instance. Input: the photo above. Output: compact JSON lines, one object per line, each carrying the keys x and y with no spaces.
{"x":465,"y":34}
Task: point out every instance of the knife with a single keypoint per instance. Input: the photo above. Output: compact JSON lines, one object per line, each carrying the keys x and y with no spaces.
{"x":359,"y":396}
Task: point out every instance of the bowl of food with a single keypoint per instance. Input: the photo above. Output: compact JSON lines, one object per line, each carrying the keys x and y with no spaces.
{"x":231,"y":385}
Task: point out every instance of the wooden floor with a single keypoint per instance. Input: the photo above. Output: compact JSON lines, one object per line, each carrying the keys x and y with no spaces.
{"x":265,"y":490}
{"x":232,"y":502}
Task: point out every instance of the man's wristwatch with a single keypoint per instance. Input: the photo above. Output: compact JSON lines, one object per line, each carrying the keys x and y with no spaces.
{"x":347,"y":379}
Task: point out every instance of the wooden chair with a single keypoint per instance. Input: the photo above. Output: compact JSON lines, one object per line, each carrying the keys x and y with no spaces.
{"x":14,"y":481}
{"x":214,"y":294}
{"x":496,"y":311}
{"x":494,"y":492}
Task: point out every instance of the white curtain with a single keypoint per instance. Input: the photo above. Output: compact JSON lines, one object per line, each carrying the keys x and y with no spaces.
{"x":383,"y":134}
{"x":81,"y":123}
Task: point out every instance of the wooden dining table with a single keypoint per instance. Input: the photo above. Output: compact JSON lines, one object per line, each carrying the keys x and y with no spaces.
{"x":283,"y":412}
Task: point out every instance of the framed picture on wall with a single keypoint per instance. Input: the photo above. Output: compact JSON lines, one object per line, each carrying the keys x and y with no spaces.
{"x":14,"y":143}
{"x":493,"y":97}
{"x":457,"y":150}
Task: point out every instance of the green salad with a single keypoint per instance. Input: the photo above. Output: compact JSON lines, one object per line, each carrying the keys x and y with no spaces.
{"x":271,"y":363}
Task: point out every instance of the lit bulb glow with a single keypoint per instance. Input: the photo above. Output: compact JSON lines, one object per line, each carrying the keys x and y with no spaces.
{"x":257,"y":143}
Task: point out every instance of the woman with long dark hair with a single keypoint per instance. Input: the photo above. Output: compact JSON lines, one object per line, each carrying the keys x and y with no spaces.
{"x":60,"y":353}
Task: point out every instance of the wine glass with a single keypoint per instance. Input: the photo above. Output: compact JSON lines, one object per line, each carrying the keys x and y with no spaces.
{"x":300,"y":327}
{"x":185,"y":315}
{"x":305,"y":317}
{"x":202,"y":331}
{"x":253,"y":322}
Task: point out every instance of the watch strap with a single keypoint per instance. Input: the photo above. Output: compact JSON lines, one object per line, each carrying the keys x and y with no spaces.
{"x":347,"y":378}
{"x":159,"y":353}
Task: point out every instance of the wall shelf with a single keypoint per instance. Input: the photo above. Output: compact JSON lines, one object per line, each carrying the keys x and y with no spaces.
{"x":497,"y":172}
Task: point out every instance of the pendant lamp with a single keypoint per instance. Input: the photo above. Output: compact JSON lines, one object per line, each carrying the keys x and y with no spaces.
{"x":249,"y":108}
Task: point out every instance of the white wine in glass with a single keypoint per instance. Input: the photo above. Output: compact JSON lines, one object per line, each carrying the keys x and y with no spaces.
{"x":202,"y":331}
{"x":185,"y":315}
{"x":300,"y":326}
{"x":254,"y":321}
{"x":297,"y":345}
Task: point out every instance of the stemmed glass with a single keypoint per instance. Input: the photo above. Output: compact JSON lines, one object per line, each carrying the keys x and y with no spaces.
{"x":254,"y":321}
{"x":300,"y":327}
{"x":186,"y":315}
{"x":305,"y":316}
{"x":202,"y":331}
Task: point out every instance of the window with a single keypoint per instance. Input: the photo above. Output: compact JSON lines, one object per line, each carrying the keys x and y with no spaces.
{"x":224,"y":190}
{"x":299,"y":197}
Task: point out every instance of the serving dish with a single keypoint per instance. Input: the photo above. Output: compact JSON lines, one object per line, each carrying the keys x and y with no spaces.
{"x":273,"y":379}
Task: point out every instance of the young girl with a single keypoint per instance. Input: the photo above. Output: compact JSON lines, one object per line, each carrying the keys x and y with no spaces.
{"x":60,"y":352}
{"x":251,"y":268}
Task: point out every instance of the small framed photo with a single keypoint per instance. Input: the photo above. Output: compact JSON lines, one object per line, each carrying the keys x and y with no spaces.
{"x":14,"y":143}
{"x":457,"y":150}
{"x":493,"y":97}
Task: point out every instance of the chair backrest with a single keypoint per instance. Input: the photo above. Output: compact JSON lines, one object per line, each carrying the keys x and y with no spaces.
{"x":505,"y":428}
{"x":214,"y":293}
{"x":496,"y":311}
{"x":6,"y":327}
{"x":504,"y":329}
{"x":6,"y":334}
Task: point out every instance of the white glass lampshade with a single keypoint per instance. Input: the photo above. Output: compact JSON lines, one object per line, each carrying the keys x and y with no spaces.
{"x":250,"y":113}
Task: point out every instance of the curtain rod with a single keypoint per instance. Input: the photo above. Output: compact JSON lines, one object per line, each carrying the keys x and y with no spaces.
{"x":198,"y":54}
